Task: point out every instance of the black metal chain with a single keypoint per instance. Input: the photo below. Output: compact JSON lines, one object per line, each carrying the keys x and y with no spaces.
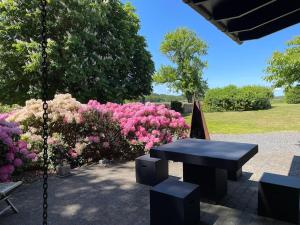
{"x":44,"y":70}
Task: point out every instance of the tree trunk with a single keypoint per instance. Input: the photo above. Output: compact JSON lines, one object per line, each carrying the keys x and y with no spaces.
{"x":189,"y":97}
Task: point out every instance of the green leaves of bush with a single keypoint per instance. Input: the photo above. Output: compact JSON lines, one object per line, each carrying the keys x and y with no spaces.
{"x":233,"y":98}
{"x":292,"y":95}
{"x":177,"y":106}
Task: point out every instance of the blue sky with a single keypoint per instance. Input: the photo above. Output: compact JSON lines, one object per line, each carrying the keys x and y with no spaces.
{"x":228,"y":62}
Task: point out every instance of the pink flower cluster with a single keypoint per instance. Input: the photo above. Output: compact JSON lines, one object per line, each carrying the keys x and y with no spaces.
{"x":13,"y":152}
{"x":94,"y":130}
{"x":148,"y":124}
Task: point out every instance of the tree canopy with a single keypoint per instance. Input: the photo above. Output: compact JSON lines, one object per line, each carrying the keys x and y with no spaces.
{"x":284,"y":67}
{"x":94,"y":51}
{"x":184,"y":49}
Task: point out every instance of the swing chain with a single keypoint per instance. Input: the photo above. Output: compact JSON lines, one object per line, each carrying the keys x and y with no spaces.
{"x":44,"y":70}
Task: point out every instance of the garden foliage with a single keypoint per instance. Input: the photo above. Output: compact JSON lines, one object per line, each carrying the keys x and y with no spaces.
{"x":283,"y":68}
{"x":232,"y":98}
{"x":292,"y":95}
{"x":83,"y":133}
{"x":13,"y":151}
{"x":94,"y":49}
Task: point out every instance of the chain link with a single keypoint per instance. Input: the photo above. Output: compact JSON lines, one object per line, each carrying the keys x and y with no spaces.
{"x":44,"y":70}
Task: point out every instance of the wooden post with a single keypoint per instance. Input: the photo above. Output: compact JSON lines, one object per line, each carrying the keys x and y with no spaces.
{"x":198,"y":125}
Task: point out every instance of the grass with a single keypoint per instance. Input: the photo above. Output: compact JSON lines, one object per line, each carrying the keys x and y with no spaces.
{"x":281,"y":117}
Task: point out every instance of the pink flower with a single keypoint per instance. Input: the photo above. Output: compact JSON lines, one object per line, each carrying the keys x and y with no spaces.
{"x":4,"y":177}
{"x":31,"y":156}
{"x":133,"y":142}
{"x":105,"y":145}
{"x":8,"y":169}
{"x":149,"y":145}
{"x":10,"y":156}
{"x":155,"y":132}
{"x":18,"y":162}
{"x":51,"y":141}
{"x":145,"y":123}
{"x":94,"y":139}
{"x":73,"y":153}
{"x":23,"y":151}
{"x":22,"y":144}
{"x":3,"y":116}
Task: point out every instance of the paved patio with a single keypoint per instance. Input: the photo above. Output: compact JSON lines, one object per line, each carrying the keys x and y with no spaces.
{"x":109,"y":196}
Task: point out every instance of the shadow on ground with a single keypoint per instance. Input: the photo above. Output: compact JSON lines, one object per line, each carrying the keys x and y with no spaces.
{"x":86,"y":198}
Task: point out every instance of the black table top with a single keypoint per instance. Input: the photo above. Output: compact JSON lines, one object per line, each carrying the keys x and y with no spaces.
{"x":219,"y":154}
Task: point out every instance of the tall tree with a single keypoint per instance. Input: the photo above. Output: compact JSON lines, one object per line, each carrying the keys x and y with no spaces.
{"x":184,"y":49}
{"x":284,"y":67}
{"x":94,"y":49}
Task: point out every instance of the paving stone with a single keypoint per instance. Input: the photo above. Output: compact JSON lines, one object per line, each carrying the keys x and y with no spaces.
{"x":109,"y":195}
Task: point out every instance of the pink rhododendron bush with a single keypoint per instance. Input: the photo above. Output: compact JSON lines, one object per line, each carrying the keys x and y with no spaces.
{"x":146,"y":125}
{"x":94,"y":131}
{"x":13,"y":152}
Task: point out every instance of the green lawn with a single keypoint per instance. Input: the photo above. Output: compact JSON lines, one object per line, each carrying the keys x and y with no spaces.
{"x":282,"y":117}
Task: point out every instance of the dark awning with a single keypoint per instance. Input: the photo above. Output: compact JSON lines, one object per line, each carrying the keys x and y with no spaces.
{"x":244,"y":20}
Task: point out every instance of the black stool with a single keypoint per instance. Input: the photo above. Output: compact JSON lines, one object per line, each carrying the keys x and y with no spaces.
{"x":278,"y":197}
{"x":150,"y":171}
{"x":173,"y":202}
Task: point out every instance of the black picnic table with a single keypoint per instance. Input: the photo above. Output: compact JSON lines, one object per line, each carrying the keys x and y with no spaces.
{"x":206,"y":162}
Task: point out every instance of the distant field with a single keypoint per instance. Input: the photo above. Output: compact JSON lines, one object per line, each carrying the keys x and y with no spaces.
{"x":281,"y":117}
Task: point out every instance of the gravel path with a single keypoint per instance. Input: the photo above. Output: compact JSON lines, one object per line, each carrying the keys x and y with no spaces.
{"x":278,"y":152}
{"x":277,"y":141}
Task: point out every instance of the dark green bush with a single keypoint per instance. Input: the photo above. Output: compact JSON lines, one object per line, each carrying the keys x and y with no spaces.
{"x":177,"y":106}
{"x":232,"y":98}
{"x":292,"y":95}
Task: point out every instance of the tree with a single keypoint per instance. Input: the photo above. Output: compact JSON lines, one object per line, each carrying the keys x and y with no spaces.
{"x":184,"y":49}
{"x":284,"y":67}
{"x":292,"y":95}
{"x":94,"y":51}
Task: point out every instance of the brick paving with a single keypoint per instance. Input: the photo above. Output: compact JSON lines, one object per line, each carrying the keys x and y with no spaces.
{"x":109,"y":196}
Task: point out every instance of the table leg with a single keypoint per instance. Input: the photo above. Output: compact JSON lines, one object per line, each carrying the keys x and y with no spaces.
{"x":234,"y":175}
{"x":212,"y":181}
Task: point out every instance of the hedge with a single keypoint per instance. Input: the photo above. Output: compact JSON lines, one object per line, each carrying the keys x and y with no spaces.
{"x":177,"y":106}
{"x":233,"y":98}
{"x":292,"y":95}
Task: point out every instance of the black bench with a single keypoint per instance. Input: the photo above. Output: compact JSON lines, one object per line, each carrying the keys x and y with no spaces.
{"x":5,"y":190}
{"x":150,"y":171}
{"x":173,"y":202}
{"x":278,"y":197}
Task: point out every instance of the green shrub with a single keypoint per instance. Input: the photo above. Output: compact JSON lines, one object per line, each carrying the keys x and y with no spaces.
{"x":292,"y":95}
{"x":163,"y":98}
{"x":7,"y":108}
{"x":177,"y":106}
{"x":232,"y":98}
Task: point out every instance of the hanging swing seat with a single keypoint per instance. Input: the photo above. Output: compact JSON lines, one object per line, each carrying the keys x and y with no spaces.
{"x":5,"y":190}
